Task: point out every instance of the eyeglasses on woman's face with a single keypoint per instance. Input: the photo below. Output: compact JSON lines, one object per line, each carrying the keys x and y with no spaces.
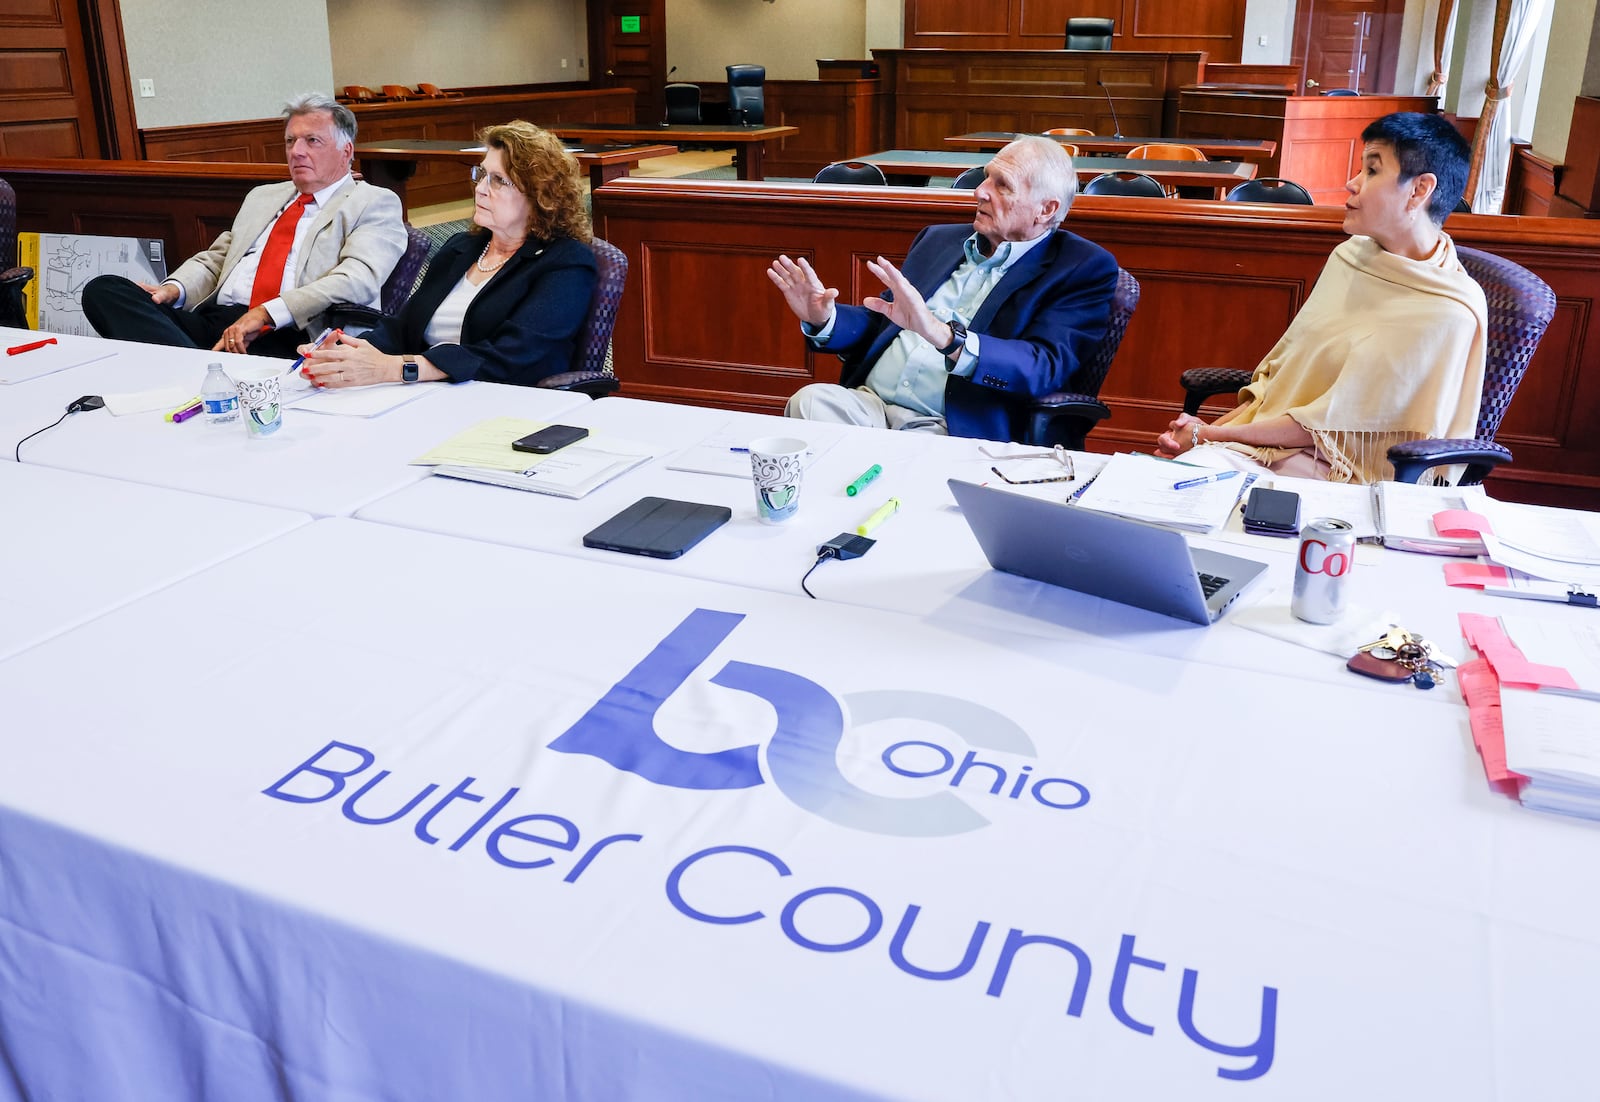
{"x":497,"y":182}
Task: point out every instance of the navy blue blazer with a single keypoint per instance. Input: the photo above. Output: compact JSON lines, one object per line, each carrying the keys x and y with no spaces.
{"x":521,"y":326}
{"x":1048,"y":313}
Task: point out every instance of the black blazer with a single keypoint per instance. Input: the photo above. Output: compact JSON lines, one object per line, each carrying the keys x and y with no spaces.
{"x":521,"y":326}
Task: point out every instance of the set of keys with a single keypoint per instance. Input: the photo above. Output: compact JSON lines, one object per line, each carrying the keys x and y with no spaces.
{"x":1400,"y":655}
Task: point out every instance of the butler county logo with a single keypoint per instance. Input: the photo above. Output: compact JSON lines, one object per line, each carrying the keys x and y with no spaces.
{"x":802,"y":755}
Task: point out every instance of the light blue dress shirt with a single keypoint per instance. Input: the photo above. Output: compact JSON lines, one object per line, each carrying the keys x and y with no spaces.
{"x":910,"y":372}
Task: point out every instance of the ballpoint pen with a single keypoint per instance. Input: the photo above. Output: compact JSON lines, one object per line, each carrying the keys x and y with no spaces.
{"x":1216,"y":476}
{"x":19,"y":349}
{"x":316,"y":344}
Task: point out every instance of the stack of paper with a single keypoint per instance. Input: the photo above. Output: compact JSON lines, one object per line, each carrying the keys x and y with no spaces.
{"x":483,"y":453}
{"x":1142,"y":487}
{"x":1535,"y":704}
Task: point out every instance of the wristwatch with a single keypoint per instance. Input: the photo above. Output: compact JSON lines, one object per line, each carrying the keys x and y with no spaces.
{"x":408,"y":370}
{"x":958,"y":339}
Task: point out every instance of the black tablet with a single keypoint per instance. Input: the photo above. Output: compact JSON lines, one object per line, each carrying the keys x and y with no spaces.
{"x":658,"y":527}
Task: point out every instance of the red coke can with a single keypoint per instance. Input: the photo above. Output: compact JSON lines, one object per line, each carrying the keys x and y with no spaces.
{"x":1327,"y":552}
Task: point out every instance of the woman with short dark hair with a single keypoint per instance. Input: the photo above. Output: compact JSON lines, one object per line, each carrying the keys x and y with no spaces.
{"x":1389,"y":346}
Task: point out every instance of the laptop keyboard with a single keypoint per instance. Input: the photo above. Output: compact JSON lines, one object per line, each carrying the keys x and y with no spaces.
{"x":1210,"y":583}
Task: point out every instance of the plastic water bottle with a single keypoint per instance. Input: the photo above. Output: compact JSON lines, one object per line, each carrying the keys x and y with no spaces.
{"x":220,"y":397}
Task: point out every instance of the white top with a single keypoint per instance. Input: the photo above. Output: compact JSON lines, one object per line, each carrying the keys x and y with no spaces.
{"x":445,"y":326}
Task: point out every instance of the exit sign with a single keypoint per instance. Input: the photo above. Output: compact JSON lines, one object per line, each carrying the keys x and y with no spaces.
{"x":630,"y":24}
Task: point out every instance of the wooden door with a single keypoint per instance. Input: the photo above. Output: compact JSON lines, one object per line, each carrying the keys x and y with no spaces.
{"x":1348,"y":44}
{"x":628,"y":49}
{"x":47,"y":104}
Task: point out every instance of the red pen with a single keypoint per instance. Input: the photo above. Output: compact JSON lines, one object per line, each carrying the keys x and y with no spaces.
{"x":18,"y":349}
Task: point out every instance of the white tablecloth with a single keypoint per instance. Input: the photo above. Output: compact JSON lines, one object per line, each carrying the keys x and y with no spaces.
{"x":323,"y":464}
{"x":76,"y":546}
{"x":910,"y":860}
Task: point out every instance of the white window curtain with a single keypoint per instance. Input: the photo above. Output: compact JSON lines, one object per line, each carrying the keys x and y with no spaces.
{"x":1441,"y":48}
{"x":1515,"y":22}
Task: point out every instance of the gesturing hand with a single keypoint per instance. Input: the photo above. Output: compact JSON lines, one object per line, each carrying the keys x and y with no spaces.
{"x":907,"y":308}
{"x":810,"y":301}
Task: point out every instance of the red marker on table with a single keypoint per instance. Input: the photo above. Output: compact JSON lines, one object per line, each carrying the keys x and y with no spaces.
{"x":18,"y":349}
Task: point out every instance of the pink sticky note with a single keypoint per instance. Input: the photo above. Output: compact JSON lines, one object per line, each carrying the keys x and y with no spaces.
{"x":1481,"y":690}
{"x":1488,"y":636}
{"x":1474,"y":574}
{"x":1460,"y":524}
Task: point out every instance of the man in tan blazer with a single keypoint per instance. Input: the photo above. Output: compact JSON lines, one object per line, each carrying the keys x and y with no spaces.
{"x":347,"y":238}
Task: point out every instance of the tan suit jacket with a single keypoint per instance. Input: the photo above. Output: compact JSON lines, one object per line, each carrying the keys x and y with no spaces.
{"x":353,"y":244}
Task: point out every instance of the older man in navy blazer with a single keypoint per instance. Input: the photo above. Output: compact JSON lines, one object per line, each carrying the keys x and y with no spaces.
{"x":980,"y":318}
{"x":346,"y":239}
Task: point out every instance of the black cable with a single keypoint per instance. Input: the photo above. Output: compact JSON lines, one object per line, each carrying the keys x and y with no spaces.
{"x":825,"y":553}
{"x":87,"y":402}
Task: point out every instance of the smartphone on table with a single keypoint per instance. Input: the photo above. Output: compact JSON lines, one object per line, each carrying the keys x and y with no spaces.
{"x":1272,"y":512}
{"x":552,"y":438}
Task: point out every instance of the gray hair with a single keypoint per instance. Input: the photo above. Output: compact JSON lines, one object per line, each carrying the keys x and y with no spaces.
{"x":1048,"y":170}
{"x":309,"y":103}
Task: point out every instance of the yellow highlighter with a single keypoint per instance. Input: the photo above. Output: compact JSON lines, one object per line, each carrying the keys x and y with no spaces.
{"x":885,"y":511}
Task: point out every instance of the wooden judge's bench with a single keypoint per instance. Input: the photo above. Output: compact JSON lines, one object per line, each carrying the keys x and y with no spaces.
{"x":1319,"y":137}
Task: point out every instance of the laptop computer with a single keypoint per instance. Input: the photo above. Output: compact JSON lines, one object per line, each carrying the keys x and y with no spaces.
{"x":1127,"y":561}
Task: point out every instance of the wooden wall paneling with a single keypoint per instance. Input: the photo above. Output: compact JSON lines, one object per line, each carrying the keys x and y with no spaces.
{"x":1216,"y":26}
{"x":186,"y":205}
{"x":838,"y":119}
{"x":1580,"y":178}
{"x":936,"y":94}
{"x":943,"y":22}
{"x":1220,"y":284}
{"x":261,"y":140}
{"x":47,"y":106}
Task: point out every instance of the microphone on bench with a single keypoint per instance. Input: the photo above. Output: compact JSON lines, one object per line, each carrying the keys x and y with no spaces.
{"x":1115,"y":122}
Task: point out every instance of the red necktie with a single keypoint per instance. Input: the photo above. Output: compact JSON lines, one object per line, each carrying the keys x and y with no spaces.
{"x":269,"y":273}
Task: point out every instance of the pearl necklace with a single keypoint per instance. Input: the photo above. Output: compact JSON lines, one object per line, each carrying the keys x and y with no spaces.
{"x":496,"y":268}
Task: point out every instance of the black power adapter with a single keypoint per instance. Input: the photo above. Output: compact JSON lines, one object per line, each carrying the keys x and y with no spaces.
{"x":846,"y":545}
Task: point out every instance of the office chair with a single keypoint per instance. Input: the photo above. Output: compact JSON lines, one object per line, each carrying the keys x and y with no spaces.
{"x":12,"y":278}
{"x":683,"y":103}
{"x":1462,"y":206}
{"x":1066,"y":416}
{"x":356,"y":318}
{"x":1089,"y":34}
{"x":971,"y":178}
{"x":1134,"y":184}
{"x":851,"y":172}
{"x":1520,"y":308}
{"x":396,"y":92}
{"x":433,"y":91}
{"x":1165,"y":151}
{"x":1068,"y":131}
{"x":592,"y":372}
{"x":1271,"y":189}
{"x":359,"y":93}
{"x":747,"y":100}
{"x":1340,"y":92}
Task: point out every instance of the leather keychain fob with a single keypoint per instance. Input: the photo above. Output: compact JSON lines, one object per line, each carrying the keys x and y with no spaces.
{"x":1384,"y":669}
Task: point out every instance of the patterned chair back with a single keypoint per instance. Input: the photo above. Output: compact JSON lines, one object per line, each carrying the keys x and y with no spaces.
{"x":593,"y":352}
{"x":1521,"y":306}
{"x":408,"y":272}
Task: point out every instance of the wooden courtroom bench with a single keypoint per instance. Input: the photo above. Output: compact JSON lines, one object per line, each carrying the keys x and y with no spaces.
{"x":700,"y":322}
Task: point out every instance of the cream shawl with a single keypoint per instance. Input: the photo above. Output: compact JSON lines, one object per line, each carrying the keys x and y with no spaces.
{"x":1385,"y":350}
